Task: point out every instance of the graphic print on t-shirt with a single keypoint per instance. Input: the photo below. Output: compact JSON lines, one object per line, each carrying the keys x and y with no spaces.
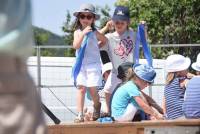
{"x":124,"y":48}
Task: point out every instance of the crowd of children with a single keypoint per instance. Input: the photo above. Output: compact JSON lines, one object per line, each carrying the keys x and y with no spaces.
{"x":124,"y":82}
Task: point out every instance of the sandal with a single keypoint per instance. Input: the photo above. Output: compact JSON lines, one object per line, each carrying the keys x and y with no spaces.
{"x":104,"y":114}
{"x":79,"y":119}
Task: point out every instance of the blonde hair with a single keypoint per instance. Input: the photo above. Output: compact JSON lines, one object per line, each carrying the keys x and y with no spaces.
{"x":128,"y":75}
{"x":170,"y":77}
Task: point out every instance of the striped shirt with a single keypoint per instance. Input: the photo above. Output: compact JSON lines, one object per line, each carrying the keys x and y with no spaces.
{"x":174,"y":97}
{"x":191,"y":105}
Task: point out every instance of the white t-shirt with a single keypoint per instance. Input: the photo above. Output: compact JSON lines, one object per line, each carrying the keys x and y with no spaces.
{"x":120,"y":48}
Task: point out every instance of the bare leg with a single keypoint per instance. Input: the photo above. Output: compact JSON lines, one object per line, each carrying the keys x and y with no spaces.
{"x":80,"y":104}
{"x":107,"y":96}
{"x":81,"y":99}
{"x":97,"y":105}
{"x":94,"y":94}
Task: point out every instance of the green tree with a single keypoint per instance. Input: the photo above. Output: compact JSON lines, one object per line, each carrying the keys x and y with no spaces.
{"x":40,"y":38}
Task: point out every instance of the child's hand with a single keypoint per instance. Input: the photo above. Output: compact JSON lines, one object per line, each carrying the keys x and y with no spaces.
{"x":87,"y":30}
{"x":100,"y":44}
{"x":190,"y":75}
{"x":142,"y":22}
{"x":110,"y":25}
{"x":159,"y":116}
{"x":183,"y":83}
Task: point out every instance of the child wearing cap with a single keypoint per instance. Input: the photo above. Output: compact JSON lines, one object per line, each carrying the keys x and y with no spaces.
{"x":90,"y":72}
{"x":120,"y":47}
{"x":177,"y":70}
{"x":127,"y":99}
{"x":191,"y":104}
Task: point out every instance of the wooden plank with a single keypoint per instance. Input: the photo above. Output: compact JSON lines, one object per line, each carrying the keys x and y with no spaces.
{"x":183,"y":122}
{"x":116,"y":128}
{"x":91,"y":129}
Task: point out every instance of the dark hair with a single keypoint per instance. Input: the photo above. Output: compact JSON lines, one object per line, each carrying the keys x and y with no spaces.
{"x":125,"y":71}
{"x":77,"y":24}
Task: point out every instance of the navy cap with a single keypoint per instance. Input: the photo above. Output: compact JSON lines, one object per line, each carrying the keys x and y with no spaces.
{"x":121,"y":13}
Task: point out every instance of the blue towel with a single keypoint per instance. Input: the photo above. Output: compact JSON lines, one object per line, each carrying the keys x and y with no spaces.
{"x":106,"y":120}
{"x":140,"y":38}
{"x":79,"y":58}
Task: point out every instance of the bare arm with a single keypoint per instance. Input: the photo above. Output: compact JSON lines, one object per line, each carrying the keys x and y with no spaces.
{"x":146,"y":107}
{"x":152,"y":102}
{"x":164,"y":105}
{"x":109,"y":26}
{"x":78,"y":37}
{"x":101,"y":38}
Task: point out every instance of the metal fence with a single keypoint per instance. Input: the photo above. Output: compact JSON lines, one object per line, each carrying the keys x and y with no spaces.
{"x":52,"y":78}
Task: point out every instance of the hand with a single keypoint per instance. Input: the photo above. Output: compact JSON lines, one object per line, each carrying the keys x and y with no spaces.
{"x":183,"y":83}
{"x":87,"y":30}
{"x":100,"y":44}
{"x":110,"y":25}
{"x":142,"y":22}
{"x":190,"y":75}
{"x":159,"y":116}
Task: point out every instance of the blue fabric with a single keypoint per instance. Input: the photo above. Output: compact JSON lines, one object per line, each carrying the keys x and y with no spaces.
{"x":106,"y":120}
{"x":122,"y":97}
{"x":191,"y":105}
{"x":174,"y":97}
{"x":79,"y":58}
{"x":145,"y":72}
{"x":143,"y":115}
{"x":140,"y":38}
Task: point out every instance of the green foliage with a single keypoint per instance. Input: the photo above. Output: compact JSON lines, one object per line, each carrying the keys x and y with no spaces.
{"x":40,"y":37}
{"x":44,"y":37}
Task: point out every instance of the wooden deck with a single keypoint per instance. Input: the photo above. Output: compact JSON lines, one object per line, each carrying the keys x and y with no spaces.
{"x":118,"y":128}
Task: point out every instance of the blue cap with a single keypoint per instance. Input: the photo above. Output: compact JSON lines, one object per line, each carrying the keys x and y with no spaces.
{"x":121,"y":13}
{"x":145,"y":72}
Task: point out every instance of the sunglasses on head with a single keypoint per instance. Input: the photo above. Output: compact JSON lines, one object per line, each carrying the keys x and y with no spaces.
{"x":89,"y":17}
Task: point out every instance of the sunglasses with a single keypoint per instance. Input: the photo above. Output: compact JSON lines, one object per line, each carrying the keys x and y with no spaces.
{"x":82,"y":16}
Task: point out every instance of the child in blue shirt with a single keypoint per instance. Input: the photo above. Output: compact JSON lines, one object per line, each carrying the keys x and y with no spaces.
{"x":127,"y":99}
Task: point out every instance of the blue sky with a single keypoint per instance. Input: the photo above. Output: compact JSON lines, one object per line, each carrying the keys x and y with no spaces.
{"x":50,"y":14}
